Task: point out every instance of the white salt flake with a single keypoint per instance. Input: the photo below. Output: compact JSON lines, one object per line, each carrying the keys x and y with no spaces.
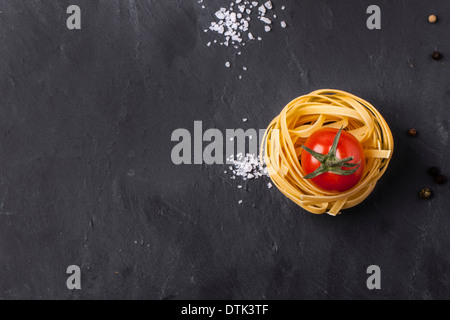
{"x":220,"y":15}
{"x":266,"y":20}
{"x":268,"y":5}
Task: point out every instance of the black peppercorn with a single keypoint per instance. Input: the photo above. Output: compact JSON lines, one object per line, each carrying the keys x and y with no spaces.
{"x":440,"y":179}
{"x":436,"y":55}
{"x":425,"y":193}
{"x":412,"y":132}
{"x":433,"y":171}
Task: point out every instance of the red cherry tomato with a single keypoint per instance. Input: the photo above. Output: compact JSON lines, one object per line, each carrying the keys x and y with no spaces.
{"x":321,"y":141}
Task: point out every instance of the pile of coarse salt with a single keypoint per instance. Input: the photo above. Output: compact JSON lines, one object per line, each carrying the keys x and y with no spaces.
{"x":233,"y":23}
{"x":247,"y":167}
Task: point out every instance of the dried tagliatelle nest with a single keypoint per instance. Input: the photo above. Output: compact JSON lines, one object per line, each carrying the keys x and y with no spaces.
{"x":281,"y":147}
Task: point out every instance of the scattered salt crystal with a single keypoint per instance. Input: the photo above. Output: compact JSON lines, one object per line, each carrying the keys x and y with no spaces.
{"x":269,"y":185}
{"x":220,"y":15}
{"x":240,"y":201}
{"x":283,"y":24}
{"x":244,"y":120}
{"x":267,"y":28}
{"x":268,"y":5}
{"x":266,"y":20}
{"x":227,"y":64}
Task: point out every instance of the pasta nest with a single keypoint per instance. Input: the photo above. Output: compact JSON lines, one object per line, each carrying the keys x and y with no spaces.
{"x":281,"y":147}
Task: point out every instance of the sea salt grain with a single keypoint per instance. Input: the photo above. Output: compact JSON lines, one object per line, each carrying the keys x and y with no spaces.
{"x":265,"y":20}
{"x":220,"y":15}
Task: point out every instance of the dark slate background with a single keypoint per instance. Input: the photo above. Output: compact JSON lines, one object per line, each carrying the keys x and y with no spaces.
{"x":86,"y":176}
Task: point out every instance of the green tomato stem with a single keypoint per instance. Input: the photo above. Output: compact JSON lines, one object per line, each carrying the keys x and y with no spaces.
{"x":331,"y":163}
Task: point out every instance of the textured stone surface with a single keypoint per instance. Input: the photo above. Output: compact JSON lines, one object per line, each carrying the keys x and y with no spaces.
{"x":86,"y":176}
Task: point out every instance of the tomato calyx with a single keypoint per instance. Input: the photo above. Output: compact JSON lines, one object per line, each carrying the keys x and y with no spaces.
{"x":331,"y":163}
